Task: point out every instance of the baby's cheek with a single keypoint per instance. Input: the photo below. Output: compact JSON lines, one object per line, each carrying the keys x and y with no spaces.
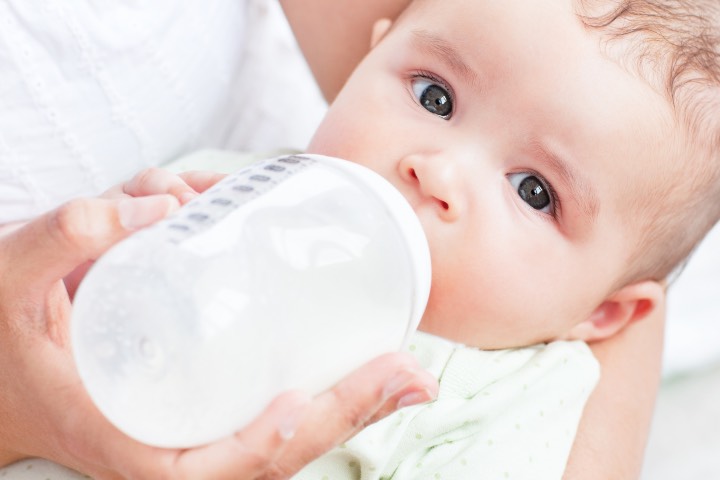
{"x":447,"y":313}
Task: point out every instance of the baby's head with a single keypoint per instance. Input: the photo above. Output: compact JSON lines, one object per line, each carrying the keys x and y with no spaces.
{"x":559,"y":155}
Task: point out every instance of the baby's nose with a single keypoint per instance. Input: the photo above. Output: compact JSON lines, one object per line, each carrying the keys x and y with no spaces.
{"x":437,"y":181}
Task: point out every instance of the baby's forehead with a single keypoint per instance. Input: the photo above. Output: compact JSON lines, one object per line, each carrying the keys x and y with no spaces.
{"x":660,"y":126}
{"x":586,"y":94}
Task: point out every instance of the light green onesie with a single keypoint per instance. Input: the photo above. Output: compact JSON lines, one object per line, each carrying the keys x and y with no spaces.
{"x":505,"y":414}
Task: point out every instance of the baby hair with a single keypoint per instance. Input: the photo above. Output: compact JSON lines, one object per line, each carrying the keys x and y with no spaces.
{"x":674,"y":45}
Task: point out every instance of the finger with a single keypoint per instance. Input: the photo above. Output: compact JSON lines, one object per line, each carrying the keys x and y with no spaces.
{"x":51,"y":246}
{"x":420,"y":387}
{"x":252,"y":451}
{"x":201,"y":180}
{"x":152,"y":181}
{"x":379,"y":388}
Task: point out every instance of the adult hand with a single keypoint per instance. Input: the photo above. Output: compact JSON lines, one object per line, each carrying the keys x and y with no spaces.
{"x":178,"y":190}
{"x":45,"y":412}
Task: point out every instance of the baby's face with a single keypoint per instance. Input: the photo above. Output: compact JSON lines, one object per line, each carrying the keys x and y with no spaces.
{"x":523,"y":150}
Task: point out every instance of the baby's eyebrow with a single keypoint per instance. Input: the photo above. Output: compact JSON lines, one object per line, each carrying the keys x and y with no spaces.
{"x":445,"y":52}
{"x":581,"y":190}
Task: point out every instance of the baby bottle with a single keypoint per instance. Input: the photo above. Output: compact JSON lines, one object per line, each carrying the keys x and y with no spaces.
{"x":287,"y":274}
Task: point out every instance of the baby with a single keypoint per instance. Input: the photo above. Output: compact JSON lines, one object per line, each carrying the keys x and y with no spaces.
{"x":563,"y":159}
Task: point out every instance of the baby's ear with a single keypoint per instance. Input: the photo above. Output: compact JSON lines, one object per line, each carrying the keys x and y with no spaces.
{"x":630,"y":303}
{"x":379,"y":29}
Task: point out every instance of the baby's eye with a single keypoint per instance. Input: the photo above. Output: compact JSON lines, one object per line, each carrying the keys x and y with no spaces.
{"x":433,"y":97}
{"x":534,"y":191}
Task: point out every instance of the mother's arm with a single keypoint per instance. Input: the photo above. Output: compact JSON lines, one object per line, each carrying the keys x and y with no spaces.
{"x":334,"y":35}
{"x":613,"y":431}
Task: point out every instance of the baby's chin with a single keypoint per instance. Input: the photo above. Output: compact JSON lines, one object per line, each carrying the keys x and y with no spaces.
{"x":479,"y":336}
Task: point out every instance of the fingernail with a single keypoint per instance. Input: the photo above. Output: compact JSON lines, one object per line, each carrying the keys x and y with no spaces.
{"x":289,"y":424}
{"x":399,"y":381}
{"x":414,"y":398}
{"x":134,"y":213}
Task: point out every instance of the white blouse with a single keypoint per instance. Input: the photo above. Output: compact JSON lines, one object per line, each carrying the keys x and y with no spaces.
{"x":92,"y":91}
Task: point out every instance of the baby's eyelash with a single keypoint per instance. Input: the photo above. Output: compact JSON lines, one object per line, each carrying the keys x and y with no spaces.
{"x":434,"y":78}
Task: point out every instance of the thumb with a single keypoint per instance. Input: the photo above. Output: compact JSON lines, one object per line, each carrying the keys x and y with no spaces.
{"x":48,"y":248}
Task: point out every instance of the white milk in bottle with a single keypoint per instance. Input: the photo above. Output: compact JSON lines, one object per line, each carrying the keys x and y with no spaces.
{"x":287,"y":274}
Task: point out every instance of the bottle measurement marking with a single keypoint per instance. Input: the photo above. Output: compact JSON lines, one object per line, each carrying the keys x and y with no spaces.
{"x":231,"y":192}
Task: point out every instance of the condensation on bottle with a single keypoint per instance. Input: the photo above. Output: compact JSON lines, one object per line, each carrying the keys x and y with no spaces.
{"x":288,"y":274}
